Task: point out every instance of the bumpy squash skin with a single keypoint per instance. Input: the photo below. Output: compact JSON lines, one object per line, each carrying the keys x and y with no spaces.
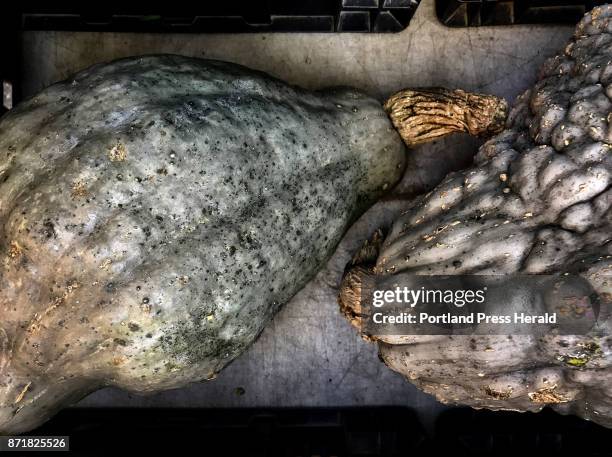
{"x":537,"y":201}
{"x":156,"y":212}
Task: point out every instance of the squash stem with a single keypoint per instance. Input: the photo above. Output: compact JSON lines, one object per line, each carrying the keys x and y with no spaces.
{"x":361,"y":266}
{"x":423,"y":115}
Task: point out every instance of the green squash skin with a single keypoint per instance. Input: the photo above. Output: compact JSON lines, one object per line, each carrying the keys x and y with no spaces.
{"x":157,"y":211}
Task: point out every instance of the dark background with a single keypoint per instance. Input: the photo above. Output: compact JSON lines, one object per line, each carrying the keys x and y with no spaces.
{"x":363,"y":432}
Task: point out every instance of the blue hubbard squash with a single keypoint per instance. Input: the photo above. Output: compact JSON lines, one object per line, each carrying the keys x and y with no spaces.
{"x":156,"y":212}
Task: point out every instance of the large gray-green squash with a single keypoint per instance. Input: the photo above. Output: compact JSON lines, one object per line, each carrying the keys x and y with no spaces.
{"x":537,"y":201}
{"x":156,"y":212}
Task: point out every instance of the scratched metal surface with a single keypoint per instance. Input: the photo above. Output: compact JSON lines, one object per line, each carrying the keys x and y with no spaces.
{"x":309,"y":356}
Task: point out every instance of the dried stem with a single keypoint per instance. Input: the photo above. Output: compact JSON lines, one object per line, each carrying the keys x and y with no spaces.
{"x":427,"y":114}
{"x":361,"y":266}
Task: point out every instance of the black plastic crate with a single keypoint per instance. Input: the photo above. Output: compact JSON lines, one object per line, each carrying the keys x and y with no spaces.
{"x":236,"y":16}
{"x":471,"y":13}
{"x":324,"y":432}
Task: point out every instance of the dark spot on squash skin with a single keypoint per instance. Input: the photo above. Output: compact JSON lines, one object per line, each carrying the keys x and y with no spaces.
{"x":49,"y":229}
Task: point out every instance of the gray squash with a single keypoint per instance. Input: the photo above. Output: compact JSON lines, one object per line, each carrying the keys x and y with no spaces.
{"x":537,"y":201}
{"x":157,"y":211}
